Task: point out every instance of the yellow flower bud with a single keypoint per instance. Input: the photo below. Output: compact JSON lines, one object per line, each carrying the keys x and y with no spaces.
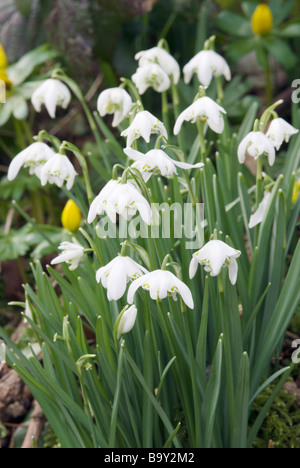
{"x":71,"y":216}
{"x":3,"y":59}
{"x":3,"y":66}
{"x":262,"y":20}
{"x":296,"y":191}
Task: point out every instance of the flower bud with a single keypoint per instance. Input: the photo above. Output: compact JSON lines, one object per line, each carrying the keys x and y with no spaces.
{"x":3,"y":66}
{"x":3,"y":59}
{"x":296,"y":191}
{"x":262,"y":20}
{"x":71,"y":216}
{"x":127,"y":321}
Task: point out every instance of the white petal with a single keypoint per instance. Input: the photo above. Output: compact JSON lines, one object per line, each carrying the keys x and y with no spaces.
{"x":116,"y":283}
{"x":233,"y":271}
{"x":135,"y":285}
{"x":185,"y":293}
{"x":193,"y":267}
{"x":127,"y":321}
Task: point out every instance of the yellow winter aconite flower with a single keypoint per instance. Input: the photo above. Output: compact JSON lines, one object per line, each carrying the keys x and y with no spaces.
{"x":262,"y":20}
{"x":3,"y":66}
{"x":71,"y":216}
{"x":3,"y":59}
{"x":296,"y":191}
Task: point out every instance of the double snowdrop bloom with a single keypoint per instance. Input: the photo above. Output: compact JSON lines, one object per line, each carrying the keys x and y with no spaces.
{"x":115,"y":101}
{"x":215,"y":255}
{"x":160,"y":284}
{"x":206,"y":64}
{"x":204,"y":110}
{"x":58,"y":170}
{"x":72,"y":253}
{"x":259,"y":215}
{"x":162,"y":58}
{"x":122,"y":199}
{"x":34,"y":157}
{"x":280,"y":131}
{"x":156,"y":161}
{"x":144,"y":125}
{"x":116,"y":274}
{"x":256,"y":144}
{"x":127,"y":321}
{"x":52,"y":93}
{"x":151,"y":75}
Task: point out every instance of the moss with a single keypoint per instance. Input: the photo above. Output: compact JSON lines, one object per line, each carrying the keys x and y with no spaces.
{"x":282,"y":423}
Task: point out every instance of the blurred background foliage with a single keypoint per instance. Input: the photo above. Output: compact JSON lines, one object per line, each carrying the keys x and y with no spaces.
{"x":103,"y":33}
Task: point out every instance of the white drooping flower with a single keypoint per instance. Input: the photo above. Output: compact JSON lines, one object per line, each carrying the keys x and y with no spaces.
{"x":116,"y":274}
{"x":115,"y":101}
{"x":51,"y":93}
{"x":122,"y":199}
{"x":151,"y":76}
{"x":204,"y":110}
{"x":256,"y":144}
{"x":144,"y":125}
{"x":162,"y":58}
{"x":206,"y":64}
{"x":280,"y":131}
{"x":34,"y":156}
{"x":58,"y":170}
{"x":127,"y":321}
{"x":72,"y":253}
{"x":215,"y":255}
{"x":259,"y":215}
{"x":156,"y":161}
{"x":160,"y":284}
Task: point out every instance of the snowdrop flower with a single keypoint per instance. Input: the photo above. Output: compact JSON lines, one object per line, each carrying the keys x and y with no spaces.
{"x":162,"y":58}
{"x":52,"y":93}
{"x":206,"y":64}
{"x":144,"y":124}
{"x":72,"y":253}
{"x":156,"y":162}
{"x":151,"y":75}
{"x":280,"y":131}
{"x":259,"y":215}
{"x":205,"y":110}
{"x":34,"y":157}
{"x":114,"y":101}
{"x":160,"y":284}
{"x":58,"y":170}
{"x":215,"y":255}
{"x":256,"y":144}
{"x":116,"y":274}
{"x":127,"y":321}
{"x":118,"y":198}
